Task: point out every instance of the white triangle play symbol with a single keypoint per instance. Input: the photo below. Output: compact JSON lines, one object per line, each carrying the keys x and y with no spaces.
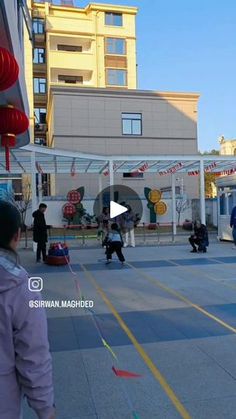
{"x":116,"y":209}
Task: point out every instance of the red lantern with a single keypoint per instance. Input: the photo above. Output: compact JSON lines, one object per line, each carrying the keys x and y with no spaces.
{"x":69,"y":210}
{"x":74,"y":197}
{"x":9,"y":69}
{"x":12,"y":122}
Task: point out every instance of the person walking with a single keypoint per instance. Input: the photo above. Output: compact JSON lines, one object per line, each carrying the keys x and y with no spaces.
{"x":25,"y":360}
{"x":40,"y":232}
{"x":114,"y":243}
{"x":199,"y":238}
{"x":128,"y":225}
{"x":233,"y":226}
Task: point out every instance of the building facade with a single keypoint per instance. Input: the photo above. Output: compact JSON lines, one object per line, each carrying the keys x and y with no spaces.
{"x":93,"y":46}
{"x":227,"y":146}
{"x":131,"y":122}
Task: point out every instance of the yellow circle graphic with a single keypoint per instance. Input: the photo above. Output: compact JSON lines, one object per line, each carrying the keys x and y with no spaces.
{"x":160,"y":208}
{"x":154,"y":196}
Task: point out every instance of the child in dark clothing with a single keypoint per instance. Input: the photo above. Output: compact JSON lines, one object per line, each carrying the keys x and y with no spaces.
{"x":114,"y":243}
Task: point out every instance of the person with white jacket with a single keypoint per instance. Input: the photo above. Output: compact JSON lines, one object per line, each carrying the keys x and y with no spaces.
{"x":128,"y":226}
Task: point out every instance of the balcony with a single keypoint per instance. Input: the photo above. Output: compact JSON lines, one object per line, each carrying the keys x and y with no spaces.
{"x":81,"y":77}
{"x":71,"y":60}
{"x":61,"y":24}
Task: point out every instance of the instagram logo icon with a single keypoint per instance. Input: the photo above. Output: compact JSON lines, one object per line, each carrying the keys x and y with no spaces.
{"x":35,"y":283}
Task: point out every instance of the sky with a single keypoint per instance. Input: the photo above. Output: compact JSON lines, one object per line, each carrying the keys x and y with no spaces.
{"x":190,"y":46}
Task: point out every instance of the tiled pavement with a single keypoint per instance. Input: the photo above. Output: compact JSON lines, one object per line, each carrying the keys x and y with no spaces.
{"x":193,"y":349}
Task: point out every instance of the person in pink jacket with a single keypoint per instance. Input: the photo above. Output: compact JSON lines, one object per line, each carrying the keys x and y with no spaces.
{"x":25,"y":361}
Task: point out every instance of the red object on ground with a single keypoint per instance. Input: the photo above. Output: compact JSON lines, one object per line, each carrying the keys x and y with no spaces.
{"x":152,"y":226}
{"x":57,"y":260}
{"x":9,"y":69}
{"x":12,"y":122}
{"x":74,"y":197}
{"x":69,"y":210}
{"x":125,"y":374}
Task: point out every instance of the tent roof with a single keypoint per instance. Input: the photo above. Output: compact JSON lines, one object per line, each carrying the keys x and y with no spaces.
{"x":51,"y":160}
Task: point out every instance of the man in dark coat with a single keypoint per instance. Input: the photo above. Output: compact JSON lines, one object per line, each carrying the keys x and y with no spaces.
{"x":233,"y":225}
{"x":199,"y":238}
{"x":40,"y":232}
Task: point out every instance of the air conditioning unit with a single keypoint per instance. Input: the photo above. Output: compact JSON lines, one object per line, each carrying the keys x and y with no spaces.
{"x":40,"y":127}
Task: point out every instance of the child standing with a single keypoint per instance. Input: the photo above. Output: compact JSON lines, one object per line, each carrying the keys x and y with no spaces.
{"x":114,"y":244}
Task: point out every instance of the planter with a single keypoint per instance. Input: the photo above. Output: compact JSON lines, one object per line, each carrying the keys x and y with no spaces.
{"x":152,"y":226}
{"x":58,"y":254}
{"x":57,"y":260}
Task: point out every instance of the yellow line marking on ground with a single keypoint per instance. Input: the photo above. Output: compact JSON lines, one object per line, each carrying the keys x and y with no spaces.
{"x":158,"y":284}
{"x":155,"y":371}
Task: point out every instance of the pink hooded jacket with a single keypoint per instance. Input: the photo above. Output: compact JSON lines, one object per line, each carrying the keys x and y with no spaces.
{"x":25,"y":361}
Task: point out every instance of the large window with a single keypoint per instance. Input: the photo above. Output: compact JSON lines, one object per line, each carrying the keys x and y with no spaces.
{"x":115,"y":46}
{"x":113,"y":19}
{"x":116,"y":77}
{"x":38,"y":26}
{"x":131,"y":123}
{"x":39,"y":55}
{"x":39,"y":85}
{"x":40,"y":115}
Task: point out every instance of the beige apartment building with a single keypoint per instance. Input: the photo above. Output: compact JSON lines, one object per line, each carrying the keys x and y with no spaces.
{"x":114,"y":122}
{"x":86,"y":47}
{"x":83,"y":94}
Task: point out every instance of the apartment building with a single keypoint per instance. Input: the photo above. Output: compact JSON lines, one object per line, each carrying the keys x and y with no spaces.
{"x":227,"y":146}
{"x":86,"y":47}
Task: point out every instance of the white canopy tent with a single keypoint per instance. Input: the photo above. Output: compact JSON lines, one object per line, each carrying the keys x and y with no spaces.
{"x":33,"y":159}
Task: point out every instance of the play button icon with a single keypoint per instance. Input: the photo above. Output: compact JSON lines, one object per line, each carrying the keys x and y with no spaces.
{"x":116,"y":209}
{"x":114,"y":201}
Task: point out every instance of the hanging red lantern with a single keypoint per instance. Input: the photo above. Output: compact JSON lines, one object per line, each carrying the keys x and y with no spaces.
{"x":9,"y":69}
{"x":12,"y":122}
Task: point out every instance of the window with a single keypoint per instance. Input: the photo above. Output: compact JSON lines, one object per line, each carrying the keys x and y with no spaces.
{"x":38,"y":26}
{"x":17,"y":189}
{"x":72,"y":48}
{"x":39,"y":55}
{"x":40,"y":115}
{"x":116,"y":77}
{"x":131,"y":123}
{"x":39,"y":85}
{"x":113,"y":19}
{"x":133,"y":175}
{"x":70,"y":79}
{"x":115,"y":46}
{"x":40,"y":141}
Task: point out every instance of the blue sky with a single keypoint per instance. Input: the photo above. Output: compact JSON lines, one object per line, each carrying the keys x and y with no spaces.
{"x":190,"y":45}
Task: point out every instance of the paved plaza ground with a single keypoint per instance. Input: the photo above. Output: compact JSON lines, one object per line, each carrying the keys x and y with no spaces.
{"x":168,"y":315}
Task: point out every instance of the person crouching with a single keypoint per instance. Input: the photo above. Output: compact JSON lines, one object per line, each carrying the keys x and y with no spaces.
{"x":114,"y":244}
{"x":199,"y":238}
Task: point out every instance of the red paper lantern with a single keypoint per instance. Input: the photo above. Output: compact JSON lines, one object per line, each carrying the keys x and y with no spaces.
{"x":69,"y":210}
{"x":9,"y":69}
{"x":74,"y":197}
{"x":12,"y":122}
